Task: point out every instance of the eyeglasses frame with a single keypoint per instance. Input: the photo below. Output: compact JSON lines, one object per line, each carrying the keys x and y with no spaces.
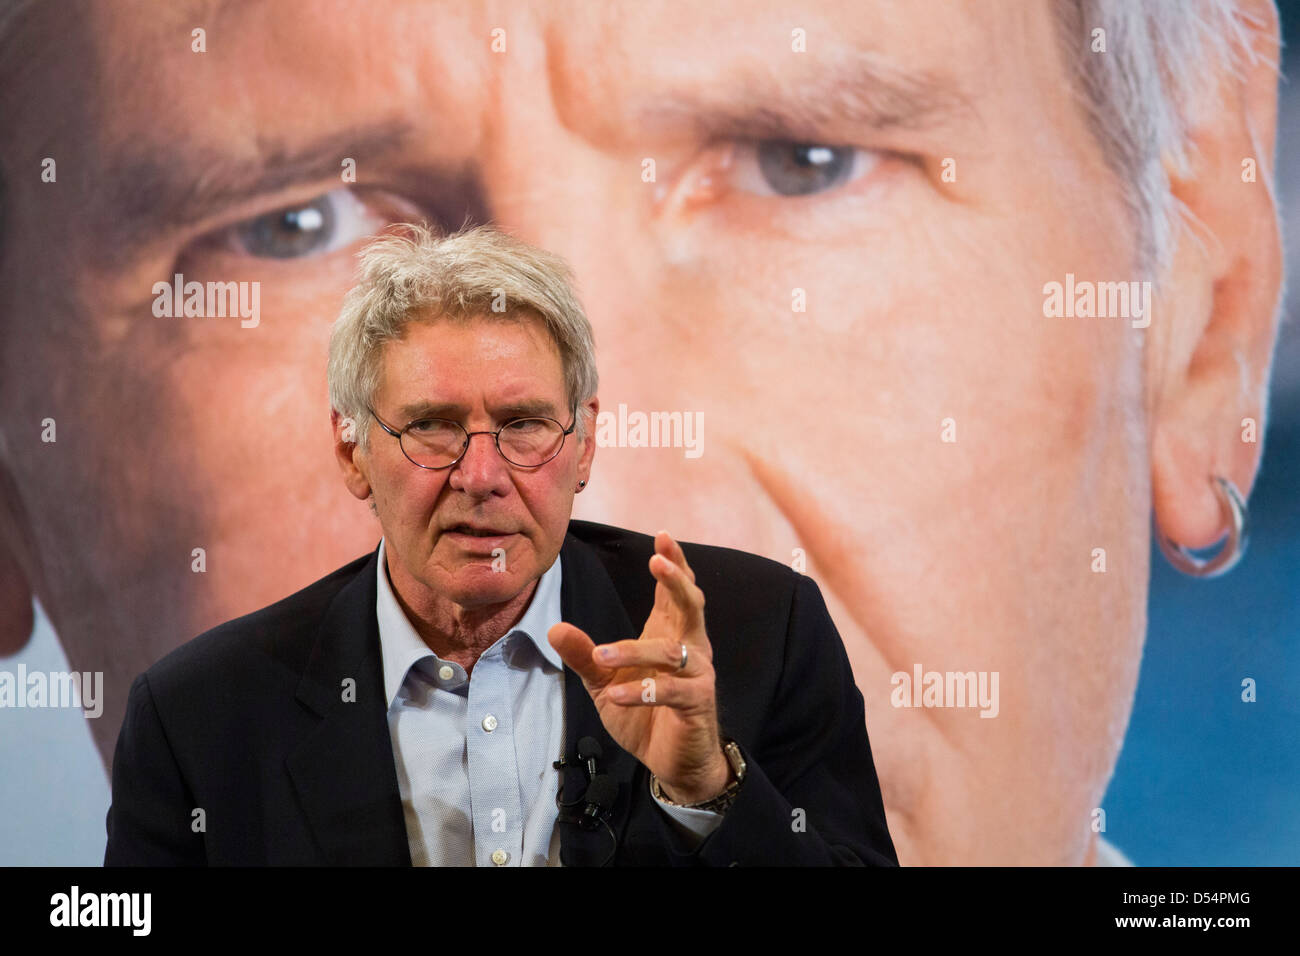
{"x":496,"y":438}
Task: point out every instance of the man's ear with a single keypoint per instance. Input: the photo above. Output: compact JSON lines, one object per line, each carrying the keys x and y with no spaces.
{"x":590,"y":410}
{"x":351,"y":459}
{"x":1208,"y":361}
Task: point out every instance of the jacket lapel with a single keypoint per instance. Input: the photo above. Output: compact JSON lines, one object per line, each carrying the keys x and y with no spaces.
{"x":344,"y":772}
{"x":589,"y":600}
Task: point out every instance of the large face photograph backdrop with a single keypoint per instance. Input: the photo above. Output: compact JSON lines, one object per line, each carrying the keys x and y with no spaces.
{"x":952,"y":306}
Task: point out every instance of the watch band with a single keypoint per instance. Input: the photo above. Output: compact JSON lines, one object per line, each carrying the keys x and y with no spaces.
{"x":723,"y":801}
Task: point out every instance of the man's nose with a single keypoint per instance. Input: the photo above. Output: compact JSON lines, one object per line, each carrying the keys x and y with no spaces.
{"x":481,"y":470}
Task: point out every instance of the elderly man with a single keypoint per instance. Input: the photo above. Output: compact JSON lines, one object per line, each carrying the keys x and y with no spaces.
{"x":419,"y":704}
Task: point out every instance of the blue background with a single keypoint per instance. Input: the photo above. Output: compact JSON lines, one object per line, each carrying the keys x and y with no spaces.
{"x":1205,"y":779}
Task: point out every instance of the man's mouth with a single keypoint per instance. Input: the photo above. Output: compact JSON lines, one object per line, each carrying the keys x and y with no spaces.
{"x":477,"y":532}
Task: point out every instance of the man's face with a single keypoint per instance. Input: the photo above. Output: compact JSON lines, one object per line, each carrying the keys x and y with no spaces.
{"x":482,"y":374}
{"x":827,"y":311}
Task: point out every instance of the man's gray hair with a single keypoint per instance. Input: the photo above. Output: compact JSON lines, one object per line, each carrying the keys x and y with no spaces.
{"x":478,"y":273}
{"x":1145,"y":92}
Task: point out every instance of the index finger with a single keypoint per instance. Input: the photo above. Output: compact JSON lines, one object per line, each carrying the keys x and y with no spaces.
{"x":666,"y":545}
{"x":681,"y":590}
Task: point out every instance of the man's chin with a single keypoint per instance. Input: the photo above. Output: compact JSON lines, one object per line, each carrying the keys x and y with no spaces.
{"x":477,"y":585}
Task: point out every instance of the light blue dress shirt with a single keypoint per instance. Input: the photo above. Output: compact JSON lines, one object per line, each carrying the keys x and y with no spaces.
{"x":474,"y":755}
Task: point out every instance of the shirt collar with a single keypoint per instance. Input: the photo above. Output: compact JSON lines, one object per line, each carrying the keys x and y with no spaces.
{"x":402,"y":647}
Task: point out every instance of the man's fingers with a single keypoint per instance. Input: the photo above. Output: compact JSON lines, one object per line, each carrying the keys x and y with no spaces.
{"x":574,"y":647}
{"x":638,"y":653}
{"x":681,"y":589}
{"x":667,"y":545}
{"x":660,"y":691}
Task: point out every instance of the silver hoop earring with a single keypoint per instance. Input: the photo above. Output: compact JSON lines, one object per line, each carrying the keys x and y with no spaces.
{"x":1235,"y":511}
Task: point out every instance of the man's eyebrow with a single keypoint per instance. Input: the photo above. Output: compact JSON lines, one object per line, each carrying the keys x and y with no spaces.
{"x":451,"y":410}
{"x":860,"y":91}
{"x":147,"y":191}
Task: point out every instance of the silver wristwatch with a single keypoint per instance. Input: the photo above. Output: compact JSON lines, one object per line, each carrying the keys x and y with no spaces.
{"x":722,"y":801}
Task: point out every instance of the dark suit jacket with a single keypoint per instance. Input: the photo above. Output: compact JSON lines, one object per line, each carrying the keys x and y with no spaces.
{"x":248,"y":724}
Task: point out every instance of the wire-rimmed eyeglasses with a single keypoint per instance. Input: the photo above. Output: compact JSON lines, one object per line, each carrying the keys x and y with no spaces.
{"x":438,"y":443}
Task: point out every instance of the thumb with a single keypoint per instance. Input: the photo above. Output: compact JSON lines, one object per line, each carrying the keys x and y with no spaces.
{"x":574,"y":647}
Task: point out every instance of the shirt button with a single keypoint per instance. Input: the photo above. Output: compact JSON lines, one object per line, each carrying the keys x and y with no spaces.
{"x":500,"y":857}
{"x":490,"y":724}
{"x":445,"y":672}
